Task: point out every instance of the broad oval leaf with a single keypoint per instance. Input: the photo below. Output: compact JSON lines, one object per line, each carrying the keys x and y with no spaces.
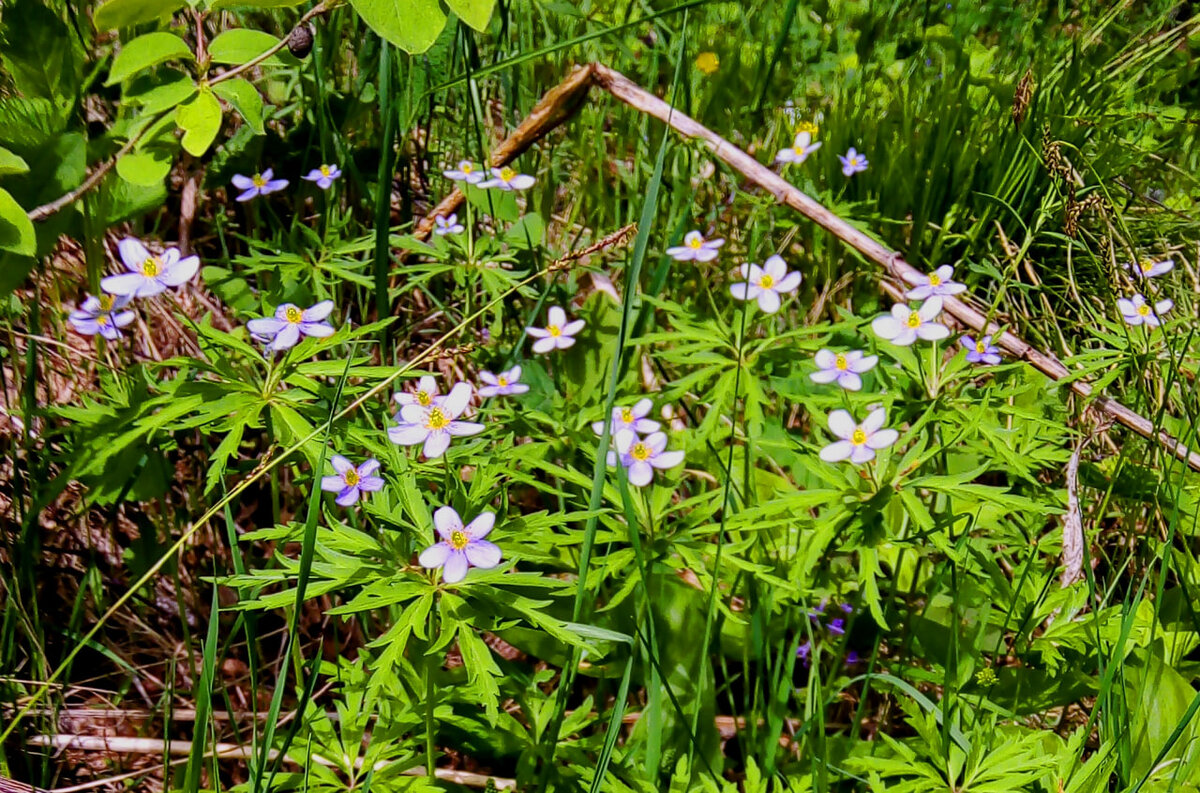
{"x":412,"y":25}
{"x":145,"y":167}
{"x":11,"y":163}
{"x":242,"y":46}
{"x":475,"y":13}
{"x":245,"y":100}
{"x":163,"y":91}
{"x":200,"y":119}
{"x":126,"y":13}
{"x":144,"y":52}
{"x":219,"y":4}
{"x":16,"y":230}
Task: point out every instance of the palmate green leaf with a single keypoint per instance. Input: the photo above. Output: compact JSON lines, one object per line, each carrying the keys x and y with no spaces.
{"x":16,"y":230}
{"x":146,"y":51}
{"x":115,"y":14}
{"x":411,"y":25}
{"x":245,"y":99}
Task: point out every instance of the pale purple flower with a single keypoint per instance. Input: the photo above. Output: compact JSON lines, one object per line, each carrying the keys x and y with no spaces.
{"x":465,"y":172}
{"x":695,"y":248}
{"x":1148,"y":268}
{"x":981,"y":351}
{"x":803,"y":651}
{"x":853,"y":162}
{"x":324,"y":176}
{"x":802,"y":146}
{"x":632,"y":418}
{"x":936,"y":283}
{"x":435,"y":424}
{"x":282,"y":331}
{"x":351,"y":482}
{"x":148,"y":274}
{"x":1138,"y":312}
{"x":844,"y":368}
{"x":507,"y":179}
{"x":905,"y":325}
{"x":259,"y":184}
{"x":858,"y":442}
{"x":447,"y":225}
{"x":641,"y":456}
{"x":766,"y":283}
{"x":426,"y":394}
{"x":558,"y":333}
{"x":461,"y":547}
{"x":503,"y":384}
{"x":102,"y":315}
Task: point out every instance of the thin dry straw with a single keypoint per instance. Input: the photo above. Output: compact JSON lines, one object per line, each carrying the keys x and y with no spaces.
{"x":561,"y":102}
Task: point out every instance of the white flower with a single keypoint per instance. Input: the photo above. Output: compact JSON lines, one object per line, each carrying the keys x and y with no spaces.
{"x":858,"y":442}
{"x":434,"y":425}
{"x":503,"y":384}
{"x":1138,"y":312}
{"x":447,"y":225}
{"x":558,"y":334}
{"x":641,"y":457}
{"x":103,"y":315}
{"x":695,"y":248}
{"x":802,"y":146}
{"x":507,"y":179}
{"x":290,"y":323}
{"x":1148,"y":268}
{"x":766,"y":283}
{"x":425,"y":395}
{"x":149,"y":275}
{"x":936,"y":283}
{"x":843,"y":367}
{"x":633,"y":419}
{"x":904,"y":325}
{"x":465,"y":172}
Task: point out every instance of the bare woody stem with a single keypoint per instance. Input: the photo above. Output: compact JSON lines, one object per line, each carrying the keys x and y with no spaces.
{"x":560,"y":103}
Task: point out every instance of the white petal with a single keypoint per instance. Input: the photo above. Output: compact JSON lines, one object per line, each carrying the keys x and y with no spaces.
{"x":836,"y":452}
{"x":133,"y":253}
{"x":788,"y":283}
{"x":557,"y":316}
{"x":180,"y":272}
{"x":874,"y":420}
{"x":436,"y":444}
{"x":932,"y":331}
{"x":318,"y":312}
{"x":775,"y":267}
{"x":864,"y":364}
{"x":456,"y":401}
{"x":861,"y":454}
{"x":481,"y":526}
{"x":667,"y":460}
{"x":434,"y":556}
{"x":945,"y":272}
{"x":886,"y":327}
{"x":842,"y":424}
{"x":483,"y":554}
{"x":849,"y":381}
{"x":825,"y":375}
{"x":543,"y":345}
{"x":641,"y":473}
{"x":768,"y":301}
{"x":407,"y":434}
{"x":456,"y":567}
{"x":826,"y":359}
{"x":340,"y":463}
{"x":930,"y":309}
{"x":883,"y":439}
{"x":573,"y":327}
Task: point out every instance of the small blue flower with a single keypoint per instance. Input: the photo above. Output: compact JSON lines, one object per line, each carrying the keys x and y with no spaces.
{"x":149,"y":275}
{"x":853,"y":162}
{"x":982,"y":351}
{"x":323,"y":176}
{"x":258,"y":185}
{"x":290,"y":322}
{"x":351,"y":482}
{"x":447,"y":225}
{"x":461,"y":547}
{"x":102,"y":315}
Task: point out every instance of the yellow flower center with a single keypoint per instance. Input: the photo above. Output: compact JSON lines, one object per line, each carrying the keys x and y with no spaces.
{"x":350,"y":477}
{"x":1144,"y":309}
{"x":423,"y":398}
{"x":914,"y":320}
{"x":708,"y":62}
{"x":934,"y":280}
{"x":1146,"y":265}
{"x":259,"y":181}
{"x":696,"y":242}
{"x":102,"y":320}
{"x":502,"y":380}
{"x":807,"y":126}
{"x":626,"y":415}
{"x":151,"y":267}
{"x":554,"y":330}
{"x":841,"y":363}
{"x":466,"y":167}
{"x":106,"y":302}
{"x":294,"y":315}
{"x":859,"y":437}
{"x":766,"y":281}
{"x":324,"y":170}
{"x":640,"y":452}
{"x":437,"y":419}
{"x":459,"y":540}
{"x":507,"y":174}
{"x":980,"y":347}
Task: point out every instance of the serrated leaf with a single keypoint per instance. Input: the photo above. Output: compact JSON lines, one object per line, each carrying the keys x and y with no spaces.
{"x":412,"y":25}
{"x":200,"y":120}
{"x":475,"y":13}
{"x":240,"y":46}
{"x":11,"y":163}
{"x":16,"y":230}
{"x":126,"y":13}
{"x":245,"y":99}
{"x":144,"y":52}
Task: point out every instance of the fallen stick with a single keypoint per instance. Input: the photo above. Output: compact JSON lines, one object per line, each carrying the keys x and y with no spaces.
{"x":560,"y":103}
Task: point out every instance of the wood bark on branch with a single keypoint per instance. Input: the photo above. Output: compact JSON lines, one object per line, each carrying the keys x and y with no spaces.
{"x":561,"y":102}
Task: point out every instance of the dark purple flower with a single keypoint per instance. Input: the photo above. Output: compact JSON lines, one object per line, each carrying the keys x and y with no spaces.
{"x":837,"y":627}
